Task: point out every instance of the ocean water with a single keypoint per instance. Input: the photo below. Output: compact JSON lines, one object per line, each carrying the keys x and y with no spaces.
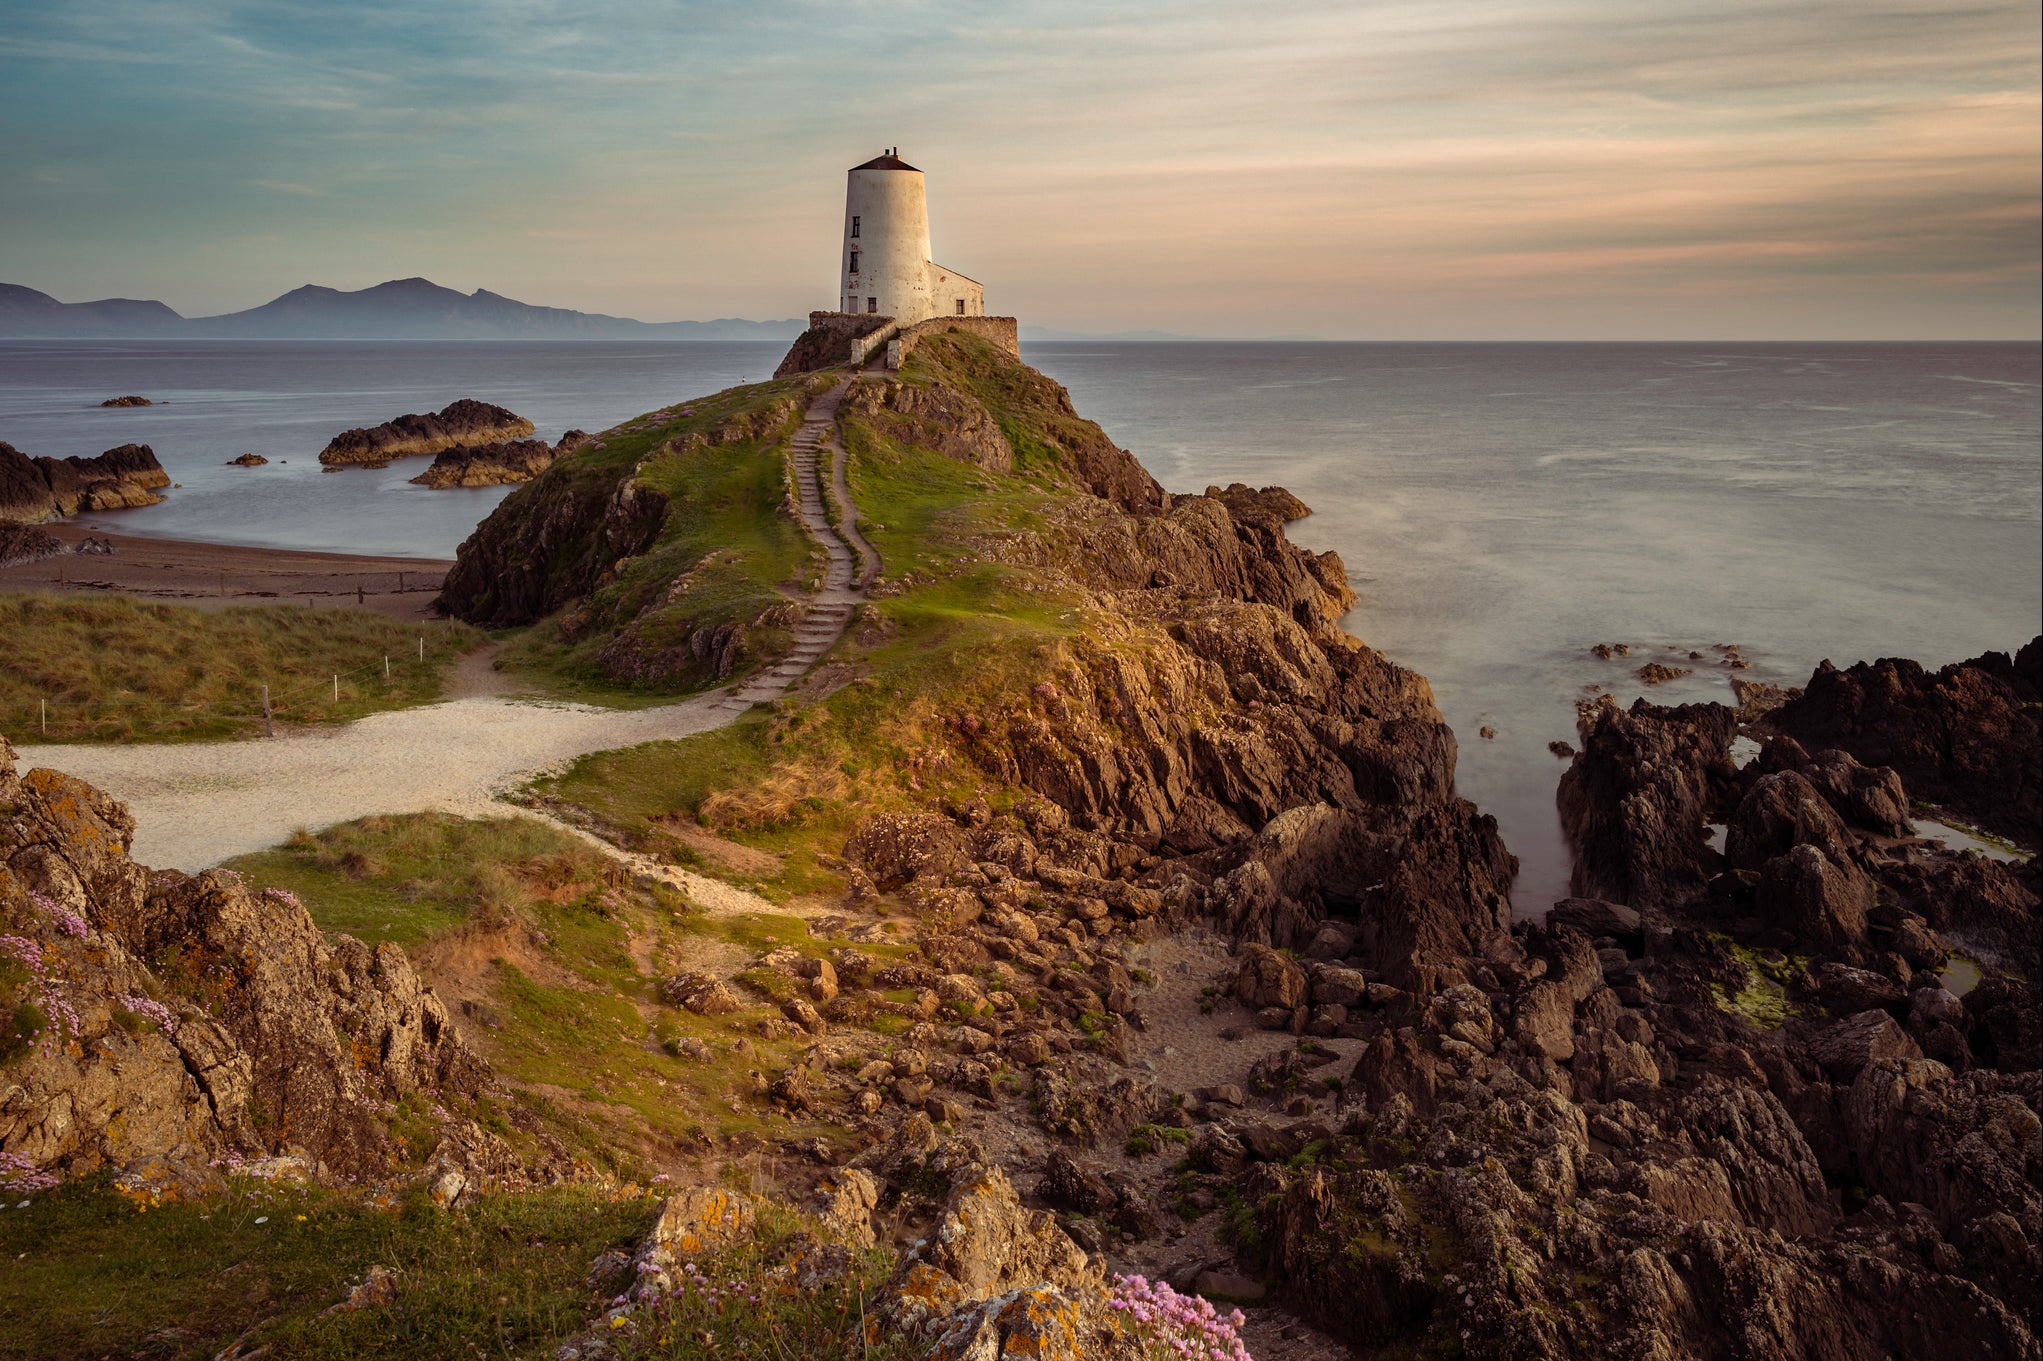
{"x":286,"y":399}
{"x":1501,"y":508}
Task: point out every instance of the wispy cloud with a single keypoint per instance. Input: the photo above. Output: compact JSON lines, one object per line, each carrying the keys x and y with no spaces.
{"x":1441,"y":167}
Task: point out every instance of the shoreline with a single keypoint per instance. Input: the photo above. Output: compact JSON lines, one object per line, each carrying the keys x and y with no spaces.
{"x":216,"y":576}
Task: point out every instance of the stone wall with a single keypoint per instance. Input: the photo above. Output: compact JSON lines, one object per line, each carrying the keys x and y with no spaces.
{"x":836,"y":338}
{"x":1002,"y":331}
{"x":831,"y":339}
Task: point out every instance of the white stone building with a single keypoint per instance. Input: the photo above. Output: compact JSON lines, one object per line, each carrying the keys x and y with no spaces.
{"x":886,"y":269}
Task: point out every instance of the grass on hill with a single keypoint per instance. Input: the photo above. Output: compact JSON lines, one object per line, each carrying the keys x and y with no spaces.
{"x":92,"y":1274}
{"x":961,"y":631}
{"x":116,"y":669}
{"x":552,"y":958}
{"x":726,"y":554}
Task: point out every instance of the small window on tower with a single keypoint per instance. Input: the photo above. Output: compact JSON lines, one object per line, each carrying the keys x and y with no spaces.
{"x":872,"y":305}
{"x":961,"y":307}
{"x":854,"y":262}
{"x":854,"y":226}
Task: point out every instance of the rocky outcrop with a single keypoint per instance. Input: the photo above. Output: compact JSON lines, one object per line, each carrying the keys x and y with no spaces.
{"x":247,"y":461}
{"x":463,"y":422}
{"x":995,"y":1279}
{"x":1966,"y":736}
{"x":37,"y":489}
{"x":22,"y":544}
{"x":827,"y":342}
{"x":557,"y":538}
{"x":130,"y":400}
{"x":945,"y":421}
{"x":1635,"y":799}
{"x":163,"y":1023}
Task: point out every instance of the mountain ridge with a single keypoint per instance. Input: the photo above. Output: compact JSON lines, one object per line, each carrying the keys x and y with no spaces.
{"x":413,"y":308}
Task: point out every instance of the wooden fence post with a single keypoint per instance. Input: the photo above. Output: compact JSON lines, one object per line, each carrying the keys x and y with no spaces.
{"x":269,"y":726}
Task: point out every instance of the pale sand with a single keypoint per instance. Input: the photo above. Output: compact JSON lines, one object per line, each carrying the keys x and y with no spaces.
{"x":198,"y":803}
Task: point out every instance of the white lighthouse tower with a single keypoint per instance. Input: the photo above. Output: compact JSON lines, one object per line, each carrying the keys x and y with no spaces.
{"x":887,"y":270}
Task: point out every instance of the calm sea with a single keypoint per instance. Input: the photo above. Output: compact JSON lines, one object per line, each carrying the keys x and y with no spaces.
{"x":1501,"y":508}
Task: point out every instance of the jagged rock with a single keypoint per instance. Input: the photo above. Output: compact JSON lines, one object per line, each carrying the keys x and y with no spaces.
{"x":1636,"y":797}
{"x":1270,"y":979}
{"x":1847,"y":1045}
{"x":1815,"y":898}
{"x":37,"y":489}
{"x":848,"y":1198}
{"x":701,"y":993}
{"x":941,"y":420}
{"x":896,"y":849}
{"x":257,"y":1030}
{"x":1081,"y":1102}
{"x":24,"y":544}
{"x":1967,"y":735}
{"x":1780,"y":812}
{"x":985,"y":1244}
{"x":1069,"y":1185}
{"x":495,"y":463}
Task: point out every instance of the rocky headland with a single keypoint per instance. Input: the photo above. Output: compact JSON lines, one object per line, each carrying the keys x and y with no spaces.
{"x":37,"y":489}
{"x":1132,"y":940}
{"x":463,"y":422}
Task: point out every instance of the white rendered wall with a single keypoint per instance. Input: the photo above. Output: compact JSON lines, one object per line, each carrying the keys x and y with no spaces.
{"x":948,"y":288}
{"x":892,"y":245}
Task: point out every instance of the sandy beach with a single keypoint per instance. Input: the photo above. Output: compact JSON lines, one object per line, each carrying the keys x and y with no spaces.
{"x":215,"y":576}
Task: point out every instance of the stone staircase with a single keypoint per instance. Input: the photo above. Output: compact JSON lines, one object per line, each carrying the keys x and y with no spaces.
{"x":844,"y":581}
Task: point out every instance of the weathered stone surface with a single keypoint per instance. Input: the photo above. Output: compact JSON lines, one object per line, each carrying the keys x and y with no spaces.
{"x":37,"y":489}
{"x":1635,"y":799}
{"x":1270,"y":979}
{"x":255,"y":1035}
{"x":1967,"y":735}
{"x":463,"y":422}
{"x":1816,"y":898}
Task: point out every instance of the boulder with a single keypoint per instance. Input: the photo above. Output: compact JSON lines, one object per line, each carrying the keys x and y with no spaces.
{"x":1845,"y":1047}
{"x":1816,"y":899}
{"x":1268,"y":978}
{"x":1635,"y":799}
{"x":1780,"y":812}
{"x":1594,"y":917}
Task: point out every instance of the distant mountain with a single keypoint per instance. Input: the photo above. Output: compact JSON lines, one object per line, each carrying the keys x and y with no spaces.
{"x":25,"y":312}
{"x":403,"y":309}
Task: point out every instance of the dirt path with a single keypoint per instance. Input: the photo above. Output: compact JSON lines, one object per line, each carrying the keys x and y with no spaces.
{"x":198,"y":803}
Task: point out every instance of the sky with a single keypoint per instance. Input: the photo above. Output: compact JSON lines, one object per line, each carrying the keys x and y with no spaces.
{"x":1364,"y":169}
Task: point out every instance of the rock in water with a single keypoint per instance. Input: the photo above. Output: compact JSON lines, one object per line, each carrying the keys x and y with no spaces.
{"x":1967,"y":736}
{"x":36,"y":489}
{"x":466,"y":422}
{"x":487,"y":465}
{"x":130,"y":400}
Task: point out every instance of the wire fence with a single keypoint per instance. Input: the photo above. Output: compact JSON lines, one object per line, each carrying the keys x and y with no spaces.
{"x":294,"y":697}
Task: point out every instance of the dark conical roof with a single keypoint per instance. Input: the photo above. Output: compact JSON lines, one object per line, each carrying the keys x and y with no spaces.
{"x":887,"y":162}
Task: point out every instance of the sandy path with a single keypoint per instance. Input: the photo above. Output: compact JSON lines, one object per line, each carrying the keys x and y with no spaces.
{"x":198,"y":803}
